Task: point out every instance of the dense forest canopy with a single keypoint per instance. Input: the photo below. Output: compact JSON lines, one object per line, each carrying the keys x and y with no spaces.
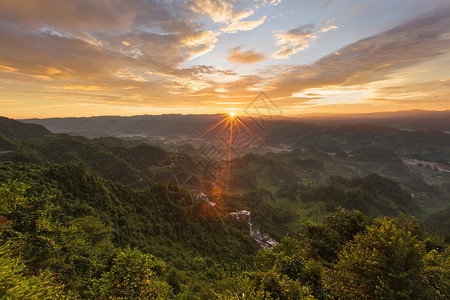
{"x":94,"y":218}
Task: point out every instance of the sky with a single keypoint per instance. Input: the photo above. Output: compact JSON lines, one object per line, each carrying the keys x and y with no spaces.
{"x":77,"y":58}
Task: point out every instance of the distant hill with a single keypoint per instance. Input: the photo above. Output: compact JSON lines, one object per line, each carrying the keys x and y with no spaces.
{"x":316,"y":152}
{"x":144,"y":125}
{"x":407,"y":120}
{"x":182,"y":125}
{"x":15,"y":129}
{"x":423,"y":134}
{"x":112,"y":158}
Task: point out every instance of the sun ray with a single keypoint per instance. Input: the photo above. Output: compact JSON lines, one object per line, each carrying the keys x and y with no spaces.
{"x":231,"y":124}
{"x":255,"y":134}
{"x":237,"y":127}
{"x":202,"y":135}
{"x":229,"y":153}
{"x":224,"y":127}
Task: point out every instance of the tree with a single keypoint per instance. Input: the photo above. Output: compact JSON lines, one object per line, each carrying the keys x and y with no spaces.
{"x":284,"y":273}
{"x":386,"y":262}
{"x":42,"y":242}
{"x":15,"y":285}
{"x":132,"y":276}
{"x":323,"y":241}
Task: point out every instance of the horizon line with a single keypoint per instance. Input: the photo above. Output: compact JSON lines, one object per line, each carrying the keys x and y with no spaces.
{"x":295,"y":116}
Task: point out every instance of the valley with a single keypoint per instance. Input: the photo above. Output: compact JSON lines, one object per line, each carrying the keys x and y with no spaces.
{"x":189,"y":208}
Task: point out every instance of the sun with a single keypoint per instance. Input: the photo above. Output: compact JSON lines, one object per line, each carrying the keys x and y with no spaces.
{"x":232,"y":114}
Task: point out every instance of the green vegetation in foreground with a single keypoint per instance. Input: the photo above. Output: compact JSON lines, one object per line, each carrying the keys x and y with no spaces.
{"x":91,"y":220}
{"x":347,"y":256}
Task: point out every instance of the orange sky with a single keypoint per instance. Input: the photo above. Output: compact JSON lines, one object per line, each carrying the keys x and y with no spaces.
{"x":90,"y":58}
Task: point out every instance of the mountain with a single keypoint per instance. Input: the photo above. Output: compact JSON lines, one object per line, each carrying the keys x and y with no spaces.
{"x":318,"y":154}
{"x":406,"y":120}
{"x":177,"y":124}
{"x":111,"y":218}
{"x":134,"y":126}
{"x":16,"y":129}
{"x":128,"y":163}
{"x":172,"y":132}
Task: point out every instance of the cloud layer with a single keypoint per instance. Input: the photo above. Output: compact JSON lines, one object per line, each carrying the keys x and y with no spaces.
{"x":197,"y":52}
{"x":374,"y":58}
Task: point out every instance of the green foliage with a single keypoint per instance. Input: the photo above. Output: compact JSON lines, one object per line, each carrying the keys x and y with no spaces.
{"x":12,"y":196}
{"x":133,"y":275}
{"x":14,"y":284}
{"x":286,"y":266}
{"x":437,"y":271}
{"x":72,"y":222}
{"x":43,"y":242}
{"x":65,"y":230}
{"x":255,"y":286}
{"x":325,"y":240}
{"x":14,"y":129}
{"x":308,"y":164}
{"x":174,"y":281}
{"x":280,"y":286}
{"x":99,"y":235}
{"x":385,"y":262}
{"x":54,"y":232}
{"x":440,"y":222}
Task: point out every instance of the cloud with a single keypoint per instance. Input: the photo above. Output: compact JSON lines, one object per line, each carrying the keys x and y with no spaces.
{"x":117,"y":51}
{"x":86,"y":39}
{"x":7,"y":69}
{"x":297,"y":39}
{"x":243,"y":25}
{"x":51,"y":55}
{"x":237,"y":55}
{"x":230,"y":14}
{"x":138,"y":52}
{"x":114,"y":45}
{"x":434,"y":89}
{"x":372,"y":59}
{"x":84,"y":17}
{"x":82,"y":41}
{"x":220,"y":11}
{"x":66,"y":14}
{"x":275,"y":2}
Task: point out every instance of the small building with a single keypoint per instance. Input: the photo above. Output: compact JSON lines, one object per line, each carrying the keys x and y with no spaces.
{"x":257,"y":234}
{"x":272,"y":243}
{"x":244,"y":212}
{"x":201,"y":196}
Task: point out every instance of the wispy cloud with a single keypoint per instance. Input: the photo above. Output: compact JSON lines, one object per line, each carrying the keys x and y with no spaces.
{"x":243,"y":25}
{"x":297,"y":39}
{"x":372,"y":59}
{"x":220,"y":11}
{"x":275,"y":2}
{"x":231,"y":15}
{"x":237,"y":55}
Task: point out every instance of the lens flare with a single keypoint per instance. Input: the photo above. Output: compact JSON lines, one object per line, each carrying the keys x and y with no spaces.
{"x":232,"y":125}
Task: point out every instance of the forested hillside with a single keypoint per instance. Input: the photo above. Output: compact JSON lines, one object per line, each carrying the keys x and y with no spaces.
{"x":94,"y":219}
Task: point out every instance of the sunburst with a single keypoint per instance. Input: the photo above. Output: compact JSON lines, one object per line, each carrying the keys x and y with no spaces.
{"x":231,"y":125}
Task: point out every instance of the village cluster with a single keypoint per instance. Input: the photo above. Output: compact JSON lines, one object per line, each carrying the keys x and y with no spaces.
{"x":263,"y":239}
